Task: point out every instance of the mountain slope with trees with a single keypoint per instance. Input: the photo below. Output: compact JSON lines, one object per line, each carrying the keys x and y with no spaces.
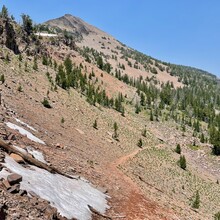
{"x":114,"y":115}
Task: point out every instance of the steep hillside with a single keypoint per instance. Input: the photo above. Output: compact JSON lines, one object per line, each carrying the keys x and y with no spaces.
{"x":110,"y":114}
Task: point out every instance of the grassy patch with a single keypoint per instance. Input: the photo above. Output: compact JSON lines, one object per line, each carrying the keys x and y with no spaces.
{"x":192,"y":147}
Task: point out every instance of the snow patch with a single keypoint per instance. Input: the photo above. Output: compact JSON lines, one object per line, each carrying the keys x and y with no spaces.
{"x":71,"y":197}
{"x":35,"y":153}
{"x":23,"y":123}
{"x":20,"y":149}
{"x":24,"y":132}
{"x":46,"y":35}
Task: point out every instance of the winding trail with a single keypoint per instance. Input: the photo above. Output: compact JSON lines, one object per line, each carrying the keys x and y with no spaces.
{"x":133,"y":204}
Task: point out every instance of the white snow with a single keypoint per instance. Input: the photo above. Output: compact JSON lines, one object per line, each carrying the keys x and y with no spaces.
{"x":71,"y":197}
{"x":46,"y":35}
{"x":20,"y":149}
{"x":24,"y":132}
{"x":35,"y":153}
{"x":23,"y":123}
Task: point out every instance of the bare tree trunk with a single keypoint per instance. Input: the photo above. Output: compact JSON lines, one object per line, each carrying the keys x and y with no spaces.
{"x":28,"y":158}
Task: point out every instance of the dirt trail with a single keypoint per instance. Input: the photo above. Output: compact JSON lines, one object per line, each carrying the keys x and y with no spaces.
{"x":133,"y":204}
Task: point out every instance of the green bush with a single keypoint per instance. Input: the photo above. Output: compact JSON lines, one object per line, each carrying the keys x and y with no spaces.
{"x":140,"y":143}
{"x":46,"y":103}
{"x":217,"y":216}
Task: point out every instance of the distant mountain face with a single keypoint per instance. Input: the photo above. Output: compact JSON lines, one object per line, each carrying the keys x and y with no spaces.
{"x":76,"y":26}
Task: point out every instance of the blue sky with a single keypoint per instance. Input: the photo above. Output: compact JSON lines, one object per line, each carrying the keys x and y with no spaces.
{"x":182,"y":32}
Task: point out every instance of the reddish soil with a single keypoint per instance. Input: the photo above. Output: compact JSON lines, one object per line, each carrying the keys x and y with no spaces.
{"x":134,"y":204}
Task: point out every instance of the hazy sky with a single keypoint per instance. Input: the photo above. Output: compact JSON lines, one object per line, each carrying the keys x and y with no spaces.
{"x":178,"y":31}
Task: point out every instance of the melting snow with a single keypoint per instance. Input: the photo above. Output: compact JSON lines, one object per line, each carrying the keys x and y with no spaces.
{"x":21,"y":122}
{"x":24,"y":132}
{"x":20,"y":149}
{"x":36,"y":154}
{"x":71,"y":197}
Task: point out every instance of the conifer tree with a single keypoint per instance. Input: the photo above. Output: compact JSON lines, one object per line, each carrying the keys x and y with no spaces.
{"x":196,"y":202}
{"x":178,"y":149}
{"x":4,"y":12}
{"x":27,"y":23}
{"x":151,"y":115}
{"x":182,"y":162}
{"x":95,"y":125}
{"x":35,"y":66}
{"x":115,"y":135}
{"x":144,"y":132}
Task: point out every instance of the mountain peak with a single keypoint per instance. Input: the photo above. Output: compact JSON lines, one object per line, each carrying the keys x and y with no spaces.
{"x":74,"y":25}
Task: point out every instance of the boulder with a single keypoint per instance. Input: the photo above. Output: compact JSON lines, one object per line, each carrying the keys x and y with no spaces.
{"x":17,"y":158}
{"x":14,"y":178}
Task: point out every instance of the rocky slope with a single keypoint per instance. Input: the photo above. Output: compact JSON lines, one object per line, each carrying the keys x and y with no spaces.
{"x":142,"y":182}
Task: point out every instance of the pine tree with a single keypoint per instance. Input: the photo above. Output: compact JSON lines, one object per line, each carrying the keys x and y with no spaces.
{"x":137,"y":108}
{"x":4,"y":12}
{"x":142,"y":99}
{"x":182,"y":162}
{"x":115,"y":135}
{"x":196,"y":202}
{"x":178,"y":149}
{"x":202,"y":138}
{"x":27,"y":23}
{"x":151,"y":115}
{"x":25,"y":67}
{"x":95,"y":125}
{"x":35,"y":66}
{"x":2,"y":78}
{"x":144,"y":132}
{"x":45,"y":61}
